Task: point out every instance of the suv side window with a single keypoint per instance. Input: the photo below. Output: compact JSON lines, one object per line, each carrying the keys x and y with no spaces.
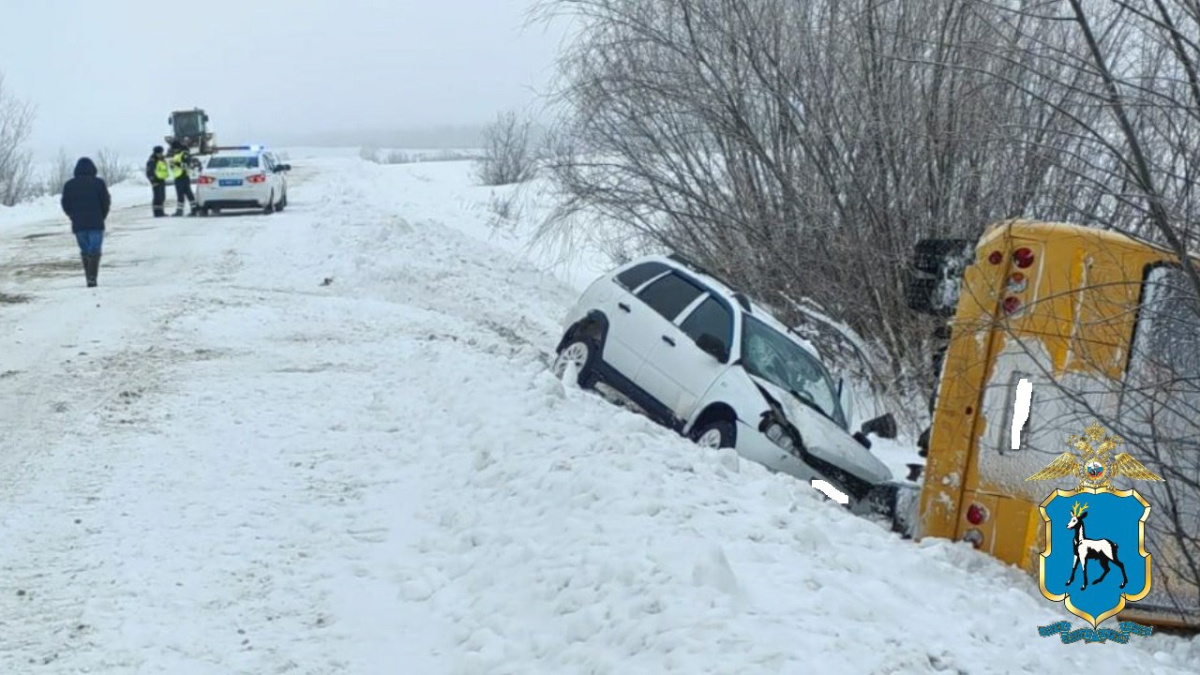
{"x":269,"y":161}
{"x":712,"y":317}
{"x":639,"y":274}
{"x":670,"y":295}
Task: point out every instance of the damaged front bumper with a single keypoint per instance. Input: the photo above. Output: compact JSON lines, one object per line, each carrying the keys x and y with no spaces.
{"x":895,"y":504}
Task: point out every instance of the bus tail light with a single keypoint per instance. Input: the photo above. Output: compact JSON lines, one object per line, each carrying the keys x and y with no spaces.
{"x":1017,"y":282}
{"x":996,"y":257}
{"x":1023,"y":257}
{"x":974,"y":536}
{"x":977,"y":514}
{"x":1012,"y":305}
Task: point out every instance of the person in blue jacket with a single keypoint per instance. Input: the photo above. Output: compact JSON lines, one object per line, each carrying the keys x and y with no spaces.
{"x":86,"y":201}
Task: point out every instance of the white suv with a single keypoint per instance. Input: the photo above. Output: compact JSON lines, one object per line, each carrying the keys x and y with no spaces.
{"x":245,"y":177}
{"x":699,"y":357}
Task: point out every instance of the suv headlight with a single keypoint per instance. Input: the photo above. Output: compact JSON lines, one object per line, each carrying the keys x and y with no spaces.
{"x":781,"y":437}
{"x":777,"y":428}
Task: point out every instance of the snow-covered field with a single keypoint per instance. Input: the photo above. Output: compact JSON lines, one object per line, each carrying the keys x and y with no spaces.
{"x":326,"y":441}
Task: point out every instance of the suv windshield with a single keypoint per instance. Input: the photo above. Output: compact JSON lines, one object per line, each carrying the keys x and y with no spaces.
{"x":233,"y":162}
{"x":774,"y":357}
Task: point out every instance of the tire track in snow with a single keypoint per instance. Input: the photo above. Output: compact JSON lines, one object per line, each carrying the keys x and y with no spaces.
{"x":40,"y":604}
{"x":87,"y":362}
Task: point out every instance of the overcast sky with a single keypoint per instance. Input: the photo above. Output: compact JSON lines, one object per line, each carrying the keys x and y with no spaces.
{"x":108,"y":72}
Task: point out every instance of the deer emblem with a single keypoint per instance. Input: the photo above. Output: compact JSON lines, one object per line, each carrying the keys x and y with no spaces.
{"x":1086,"y":550}
{"x":1095,"y":461}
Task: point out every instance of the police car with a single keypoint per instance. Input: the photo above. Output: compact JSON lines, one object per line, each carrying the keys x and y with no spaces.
{"x":242,"y":177}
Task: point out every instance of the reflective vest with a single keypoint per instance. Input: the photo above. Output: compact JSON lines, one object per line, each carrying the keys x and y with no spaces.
{"x":161,"y":171}
{"x":178,"y":165}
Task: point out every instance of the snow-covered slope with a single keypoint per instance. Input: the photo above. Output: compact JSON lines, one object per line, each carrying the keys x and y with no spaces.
{"x":326,"y":441}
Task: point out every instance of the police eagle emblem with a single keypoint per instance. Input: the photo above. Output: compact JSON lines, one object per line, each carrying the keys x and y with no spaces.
{"x":1095,"y":466}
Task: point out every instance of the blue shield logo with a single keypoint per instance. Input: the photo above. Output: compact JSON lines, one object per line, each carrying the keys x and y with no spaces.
{"x":1095,"y":558}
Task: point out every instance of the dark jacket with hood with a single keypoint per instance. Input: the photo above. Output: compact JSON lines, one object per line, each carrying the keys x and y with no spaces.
{"x":85,"y":198}
{"x":152,"y":168}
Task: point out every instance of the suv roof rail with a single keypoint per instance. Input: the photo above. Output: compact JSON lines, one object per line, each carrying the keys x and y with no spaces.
{"x":680,"y":258}
{"x":737,"y":295}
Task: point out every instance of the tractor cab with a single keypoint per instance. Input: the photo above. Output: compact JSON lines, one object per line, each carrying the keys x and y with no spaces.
{"x":190,"y":128}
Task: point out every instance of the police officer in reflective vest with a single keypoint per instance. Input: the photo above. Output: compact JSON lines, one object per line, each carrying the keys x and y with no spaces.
{"x":178,"y":164}
{"x":157,"y":173}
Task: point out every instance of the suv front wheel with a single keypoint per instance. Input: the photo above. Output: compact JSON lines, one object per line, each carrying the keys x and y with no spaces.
{"x":714,"y":434}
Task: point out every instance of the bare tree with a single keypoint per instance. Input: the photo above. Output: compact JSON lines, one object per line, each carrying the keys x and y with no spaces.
{"x":111,"y":168}
{"x":58,"y":174}
{"x":801,"y":149}
{"x":16,"y":164}
{"x":508,"y":152}
{"x":1135,"y":63}
{"x":401,"y":157}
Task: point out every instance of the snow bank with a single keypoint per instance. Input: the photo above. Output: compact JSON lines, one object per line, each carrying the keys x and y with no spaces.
{"x":47,"y":210}
{"x":334,"y":446}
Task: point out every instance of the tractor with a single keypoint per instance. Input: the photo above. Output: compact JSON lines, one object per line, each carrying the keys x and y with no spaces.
{"x":190,"y":128}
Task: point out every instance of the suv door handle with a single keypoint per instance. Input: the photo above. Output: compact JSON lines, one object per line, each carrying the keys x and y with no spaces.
{"x":624,"y":307}
{"x":668,"y":340}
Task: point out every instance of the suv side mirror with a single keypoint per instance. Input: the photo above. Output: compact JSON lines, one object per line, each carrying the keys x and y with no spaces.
{"x":883,"y":426}
{"x":713,"y":346}
{"x":283,"y":167}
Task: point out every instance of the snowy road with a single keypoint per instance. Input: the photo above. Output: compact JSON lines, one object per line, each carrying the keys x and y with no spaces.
{"x":325,"y":441}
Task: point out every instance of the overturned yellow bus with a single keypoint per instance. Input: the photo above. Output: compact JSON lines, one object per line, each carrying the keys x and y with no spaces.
{"x":1106,"y":328}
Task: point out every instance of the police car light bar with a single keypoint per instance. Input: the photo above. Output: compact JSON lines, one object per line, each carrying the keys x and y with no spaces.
{"x":252,"y":148}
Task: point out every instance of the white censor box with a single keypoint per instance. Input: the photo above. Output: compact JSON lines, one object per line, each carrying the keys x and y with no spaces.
{"x":1021,"y":411}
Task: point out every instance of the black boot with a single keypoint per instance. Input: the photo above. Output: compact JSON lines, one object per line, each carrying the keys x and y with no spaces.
{"x":87,"y":268}
{"x":93,"y":269}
